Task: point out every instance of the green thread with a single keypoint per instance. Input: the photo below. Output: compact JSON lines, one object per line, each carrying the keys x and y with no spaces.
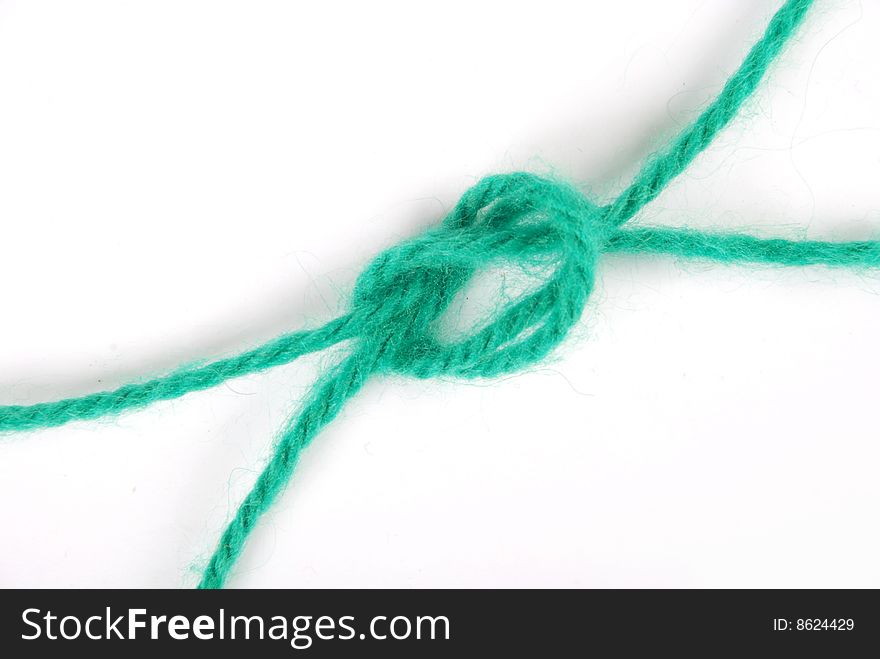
{"x":519,"y":219}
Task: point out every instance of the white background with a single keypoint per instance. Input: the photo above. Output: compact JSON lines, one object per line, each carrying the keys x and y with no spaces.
{"x":183,"y":180}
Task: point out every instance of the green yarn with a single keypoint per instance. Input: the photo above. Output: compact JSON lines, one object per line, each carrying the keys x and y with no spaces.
{"x":658,"y":171}
{"x":542,"y":225}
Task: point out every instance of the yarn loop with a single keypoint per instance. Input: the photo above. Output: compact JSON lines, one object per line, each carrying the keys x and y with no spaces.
{"x":520,"y":220}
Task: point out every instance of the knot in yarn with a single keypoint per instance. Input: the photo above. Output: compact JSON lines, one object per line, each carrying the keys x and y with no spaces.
{"x":519,"y":219}
{"x":545,"y":227}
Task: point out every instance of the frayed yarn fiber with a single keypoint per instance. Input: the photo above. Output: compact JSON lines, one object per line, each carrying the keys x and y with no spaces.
{"x":518,"y":220}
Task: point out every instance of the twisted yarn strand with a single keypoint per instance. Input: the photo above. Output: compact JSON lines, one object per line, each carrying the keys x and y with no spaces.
{"x":660,"y":170}
{"x":279,"y":351}
{"x":542,"y":225}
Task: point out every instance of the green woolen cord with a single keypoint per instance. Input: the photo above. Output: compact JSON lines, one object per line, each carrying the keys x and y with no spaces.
{"x":518,"y":219}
